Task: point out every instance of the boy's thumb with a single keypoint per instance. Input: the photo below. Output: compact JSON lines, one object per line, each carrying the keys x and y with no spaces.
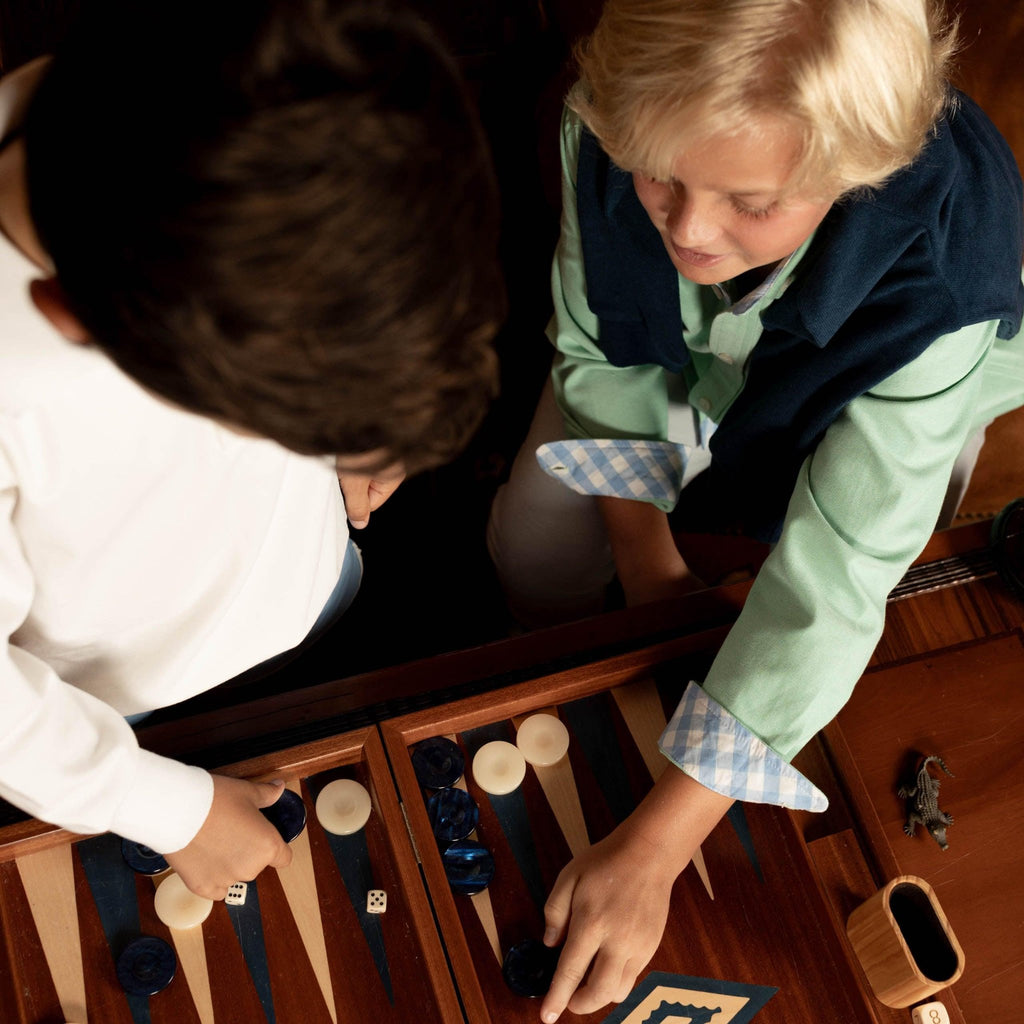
{"x":268,"y":793}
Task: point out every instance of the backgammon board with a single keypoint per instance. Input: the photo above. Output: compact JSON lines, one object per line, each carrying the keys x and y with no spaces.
{"x":764,"y":922}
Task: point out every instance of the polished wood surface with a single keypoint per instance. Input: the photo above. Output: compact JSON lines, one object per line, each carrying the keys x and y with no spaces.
{"x":966,"y":704}
{"x":989,"y":66}
{"x":946,"y":679}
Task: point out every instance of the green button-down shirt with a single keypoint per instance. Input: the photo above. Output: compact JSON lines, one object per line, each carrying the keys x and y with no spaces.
{"x":864,"y":505}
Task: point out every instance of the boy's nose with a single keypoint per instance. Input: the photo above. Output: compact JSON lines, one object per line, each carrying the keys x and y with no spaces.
{"x":691,"y":223}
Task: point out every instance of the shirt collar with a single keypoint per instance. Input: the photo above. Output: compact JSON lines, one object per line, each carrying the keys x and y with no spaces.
{"x":774,"y":283}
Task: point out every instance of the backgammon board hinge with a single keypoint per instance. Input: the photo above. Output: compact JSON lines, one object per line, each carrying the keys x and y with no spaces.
{"x":408,"y":828}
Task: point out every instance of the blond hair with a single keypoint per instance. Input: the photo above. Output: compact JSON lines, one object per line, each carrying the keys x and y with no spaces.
{"x":862,"y":82}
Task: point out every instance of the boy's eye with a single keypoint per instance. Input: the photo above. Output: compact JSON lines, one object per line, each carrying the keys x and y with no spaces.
{"x":754,"y":212}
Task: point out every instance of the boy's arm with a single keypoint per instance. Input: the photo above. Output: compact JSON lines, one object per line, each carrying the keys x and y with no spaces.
{"x":68,"y":759}
{"x":65,"y":756}
{"x":647,"y":561}
{"x":864,"y":505}
{"x":596,"y":398}
{"x":72,"y":760}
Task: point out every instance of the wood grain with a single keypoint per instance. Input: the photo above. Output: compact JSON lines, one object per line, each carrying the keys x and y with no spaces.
{"x":299,"y":884}
{"x":320,"y":968}
{"x":31,"y":994}
{"x":989,"y":68}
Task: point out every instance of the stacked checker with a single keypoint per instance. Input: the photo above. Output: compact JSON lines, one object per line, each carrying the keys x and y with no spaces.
{"x":498,"y":769}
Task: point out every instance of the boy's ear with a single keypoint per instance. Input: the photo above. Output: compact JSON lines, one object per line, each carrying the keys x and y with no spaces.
{"x":50,"y":300}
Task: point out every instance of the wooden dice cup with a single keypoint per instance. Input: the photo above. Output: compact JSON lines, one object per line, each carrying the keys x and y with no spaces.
{"x":904,"y":942}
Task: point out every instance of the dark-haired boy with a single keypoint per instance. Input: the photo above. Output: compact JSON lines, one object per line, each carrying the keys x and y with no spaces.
{"x":264,"y":235}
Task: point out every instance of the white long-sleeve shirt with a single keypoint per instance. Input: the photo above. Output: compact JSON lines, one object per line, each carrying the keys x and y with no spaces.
{"x":146,"y":554}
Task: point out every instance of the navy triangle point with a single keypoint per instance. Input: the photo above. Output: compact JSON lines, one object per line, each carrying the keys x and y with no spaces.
{"x":247,"y":922}
{"x":738,"y":820}
{"x":352,"y":856}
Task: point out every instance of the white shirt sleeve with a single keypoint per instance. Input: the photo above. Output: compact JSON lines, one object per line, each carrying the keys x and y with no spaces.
{"x":65,"y":756}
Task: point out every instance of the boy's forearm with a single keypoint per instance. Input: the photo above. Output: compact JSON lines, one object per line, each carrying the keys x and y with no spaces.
{"x":676,"y":816}
{"x":646,"y":557}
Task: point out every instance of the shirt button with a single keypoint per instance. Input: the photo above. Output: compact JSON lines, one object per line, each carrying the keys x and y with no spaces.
{"x":726,"y":358}
{"x":704,"y":404}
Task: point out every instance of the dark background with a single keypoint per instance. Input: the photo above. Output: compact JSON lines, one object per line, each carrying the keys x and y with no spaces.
{"x":428,"y":585}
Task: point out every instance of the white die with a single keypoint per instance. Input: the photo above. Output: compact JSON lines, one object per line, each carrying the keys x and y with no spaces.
{"x":376,"y":901}
{"x":930,"y":1013}
{"x":236,"y":894}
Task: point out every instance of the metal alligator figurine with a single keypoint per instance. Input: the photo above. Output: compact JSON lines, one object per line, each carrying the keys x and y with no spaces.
{"x":922,"y":796}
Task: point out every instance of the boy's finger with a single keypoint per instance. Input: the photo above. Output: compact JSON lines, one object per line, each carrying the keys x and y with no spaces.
{"x":557,"y":908}
{"x":381,"y":490}
{"x":355,"y":488}
{"x":629,"y":975}
{"x":572,"y":968}
{"x":602,"y":985}
{"x":357,"y":507}
{"x":268,"y":793}
{"x":283,"y":857}
{"x":358,"y":520}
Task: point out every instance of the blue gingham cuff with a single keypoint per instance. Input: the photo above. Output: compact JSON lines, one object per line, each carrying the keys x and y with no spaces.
{"x":618,"y":468}
{"x":717,"y":750}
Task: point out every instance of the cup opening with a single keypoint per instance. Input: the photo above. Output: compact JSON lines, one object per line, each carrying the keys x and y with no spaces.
{"x":923,"y":932}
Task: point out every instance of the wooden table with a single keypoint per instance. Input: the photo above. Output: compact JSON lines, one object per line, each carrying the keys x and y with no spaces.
{"x":945,"y":679}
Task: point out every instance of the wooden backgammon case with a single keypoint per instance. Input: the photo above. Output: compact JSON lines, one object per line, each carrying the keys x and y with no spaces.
{"x":946,"y":679}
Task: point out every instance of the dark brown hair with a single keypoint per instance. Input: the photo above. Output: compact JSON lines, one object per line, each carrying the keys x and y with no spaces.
{"x":278,"y":214}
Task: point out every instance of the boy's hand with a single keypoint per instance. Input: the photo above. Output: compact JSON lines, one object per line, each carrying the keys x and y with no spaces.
{"x":366,"y":491}
{"x":613,"y":899}
{"x":648,"y":563}
{"x":235,"y":843}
